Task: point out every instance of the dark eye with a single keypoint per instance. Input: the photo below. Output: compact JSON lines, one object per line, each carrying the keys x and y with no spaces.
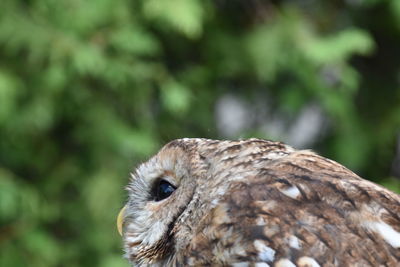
{"x":163,"y":190}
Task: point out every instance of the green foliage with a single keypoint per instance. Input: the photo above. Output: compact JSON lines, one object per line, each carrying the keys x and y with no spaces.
{"x":90,"y":88}
{"x":184,"y":16}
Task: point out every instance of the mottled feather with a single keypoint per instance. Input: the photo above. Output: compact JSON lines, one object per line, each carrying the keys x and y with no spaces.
{"x":257,"y":203}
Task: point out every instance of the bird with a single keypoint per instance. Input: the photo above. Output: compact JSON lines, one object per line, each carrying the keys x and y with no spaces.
{"x":254,"y":202}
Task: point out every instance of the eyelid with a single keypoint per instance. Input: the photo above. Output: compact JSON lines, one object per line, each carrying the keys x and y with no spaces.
{"x":166,"y":178}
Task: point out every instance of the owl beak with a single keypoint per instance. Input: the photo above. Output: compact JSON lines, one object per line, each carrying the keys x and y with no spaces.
{"x":120,"y":219}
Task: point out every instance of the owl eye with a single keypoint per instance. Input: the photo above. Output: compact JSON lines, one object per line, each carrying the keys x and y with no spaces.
{"x":162,"y":190}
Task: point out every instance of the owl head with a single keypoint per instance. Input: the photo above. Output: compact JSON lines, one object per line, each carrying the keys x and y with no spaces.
{"x":170,"y":193}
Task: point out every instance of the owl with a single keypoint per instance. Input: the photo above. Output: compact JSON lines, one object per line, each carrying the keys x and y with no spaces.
{"x":201,"y":202}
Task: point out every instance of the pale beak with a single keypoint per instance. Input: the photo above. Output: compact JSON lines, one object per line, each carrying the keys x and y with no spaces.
{"x":120,"y":219}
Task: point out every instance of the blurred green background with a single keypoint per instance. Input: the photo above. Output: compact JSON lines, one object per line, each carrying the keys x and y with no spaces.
{"x":89,"y":88}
